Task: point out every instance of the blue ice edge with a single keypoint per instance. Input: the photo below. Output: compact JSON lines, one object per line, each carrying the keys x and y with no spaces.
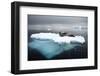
{"x":49,"y":48}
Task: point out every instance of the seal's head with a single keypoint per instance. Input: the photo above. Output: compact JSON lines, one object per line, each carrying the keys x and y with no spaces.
{"x":65,"y":34}
{"x":62,"y":34}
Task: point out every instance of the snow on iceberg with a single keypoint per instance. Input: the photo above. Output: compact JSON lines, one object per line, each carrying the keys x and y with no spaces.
{"x":57,"y":38}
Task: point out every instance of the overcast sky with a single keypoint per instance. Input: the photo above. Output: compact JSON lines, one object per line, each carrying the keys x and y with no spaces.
{"x":57,"y":23}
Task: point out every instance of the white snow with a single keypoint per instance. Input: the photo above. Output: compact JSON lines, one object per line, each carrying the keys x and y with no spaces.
{"x":55,"y":37}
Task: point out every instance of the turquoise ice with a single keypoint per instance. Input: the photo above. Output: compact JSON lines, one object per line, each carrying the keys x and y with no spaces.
{"x":49,"y":48}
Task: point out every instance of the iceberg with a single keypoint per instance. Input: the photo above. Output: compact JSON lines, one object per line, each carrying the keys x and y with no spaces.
{"x":57,"y":38}
{"x":52,"y":44}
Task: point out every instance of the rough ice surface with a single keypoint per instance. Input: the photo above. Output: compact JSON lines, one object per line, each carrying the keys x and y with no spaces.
{"x":51,"y":44}
{"x":57,"y":38}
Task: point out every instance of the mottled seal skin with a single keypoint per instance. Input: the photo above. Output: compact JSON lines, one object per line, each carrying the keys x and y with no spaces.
{"x":62,"y":34}
{"x":65,"y":34}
